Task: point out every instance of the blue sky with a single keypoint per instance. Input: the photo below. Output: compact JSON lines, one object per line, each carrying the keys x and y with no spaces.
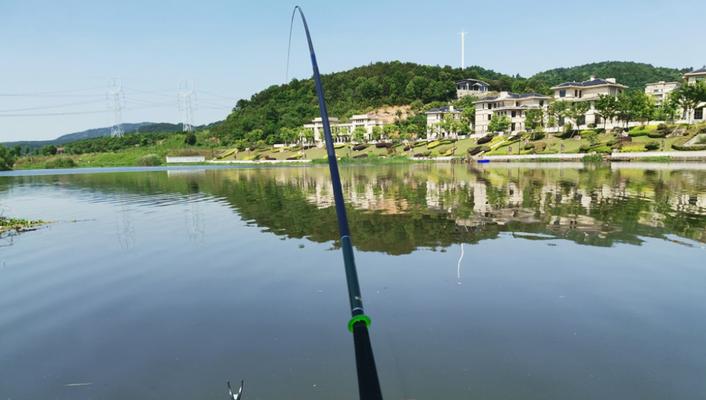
{"x":62,"y":55}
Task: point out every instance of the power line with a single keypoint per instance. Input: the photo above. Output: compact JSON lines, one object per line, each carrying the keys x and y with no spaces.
{"x":48,"y":107}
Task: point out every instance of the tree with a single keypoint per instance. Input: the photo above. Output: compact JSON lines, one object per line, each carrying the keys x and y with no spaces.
{"x":359,"y":134}
{"x":642,"y":107}
{"x":48,"y":150}
{"x":534,"y":118}
{"x":389,"y":131}
{"x":607,"y":107}
{"x":7,"y":158}
{"x":190,"y":138}
{"x":624,"y":108}
{"x":556,"y":111}
{"x":253,"y":137}
{"x":688,"y":98}
{"x":499,"y":123}
{"x":576,"y":111}
{"x":667,"y":111}
{"x":377,"y":132}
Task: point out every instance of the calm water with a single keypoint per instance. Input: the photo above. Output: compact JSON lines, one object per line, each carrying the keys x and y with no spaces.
{"x":503,"y":282}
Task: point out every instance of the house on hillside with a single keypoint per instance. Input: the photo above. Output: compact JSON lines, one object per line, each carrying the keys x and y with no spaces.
{"x":317,"y":126}
{"x":588,"y":91}
{"x":365,"y":121}
{"x":692,"y":78}
{"x":512,"y":105}
{"x":436,"y":116}
{"x":660,"y":91}
{"x":471,"y":87}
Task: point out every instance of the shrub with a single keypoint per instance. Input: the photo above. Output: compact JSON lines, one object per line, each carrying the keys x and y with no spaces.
{"x":423,"y":154}
{"x":585,"y":148}
{"x":190,"y":139}
{"x":600,"y":130}
{"x":360,"y":147}
{"x":528,"y":146}
{"x":540,"y":147}
{"x":537,"y":135}
{"x":485,"y":139}
{"x":653,"y":145}
{"x":149,"y":160}
{"x":477,"y":150}
{"x":657,"y":134}
{"x":696,"y":147}
{"x":60,"y":162}
{"x":433,"y":144}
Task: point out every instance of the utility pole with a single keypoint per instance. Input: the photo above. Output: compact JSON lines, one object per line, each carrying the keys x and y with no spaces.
{"x":116,"y":99}
{"x":187,"y":98}
{"x":463,"y":49}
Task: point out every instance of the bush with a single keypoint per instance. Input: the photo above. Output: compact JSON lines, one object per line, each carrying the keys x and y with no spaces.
{"x":600,"y":130}
{"x":649,"y":146}
{"x":585,"y":148}
{"x":433,"y":144}
{"x":657,"y":134}
{"x":360,"y":147}
{"x":696,"y":147}
{"x":60,"y":162}
{"x":477,"y":150}
{"x":149,"y":160}
{"x":423,"y":154}
{"x":190,"y":139}
{"x":537,"y":135}
{"x":540,"y":147}
{"x":485,"y":139}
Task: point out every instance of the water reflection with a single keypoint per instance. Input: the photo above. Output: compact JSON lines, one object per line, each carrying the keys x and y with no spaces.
{"x":397,"y":209}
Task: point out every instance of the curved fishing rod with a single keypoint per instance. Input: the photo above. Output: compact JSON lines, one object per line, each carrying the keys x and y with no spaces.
{"x":368,"y":383}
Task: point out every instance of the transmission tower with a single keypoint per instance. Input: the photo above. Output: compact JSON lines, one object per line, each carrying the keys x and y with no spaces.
{"x":187,"y":100}
{"x":116,"y":100}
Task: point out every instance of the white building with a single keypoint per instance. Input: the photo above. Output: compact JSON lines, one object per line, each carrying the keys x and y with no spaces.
{"x":343,"y":131}
{"x":588,"y":91}
{"x":660,"y":91}
{"x":365,"y":121}
{"x":512,"y":105}
{"x":471,"y":87}
{"x":692,"y":78}
{"x":434,"y":118}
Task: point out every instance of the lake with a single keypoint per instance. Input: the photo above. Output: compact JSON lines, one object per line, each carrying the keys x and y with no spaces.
{"x":549,"y":281}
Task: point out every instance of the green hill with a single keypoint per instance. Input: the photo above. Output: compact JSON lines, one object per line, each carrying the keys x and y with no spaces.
{"x":395,"y":83}
{"x":354,"y":91}
{"x":635,"y":75}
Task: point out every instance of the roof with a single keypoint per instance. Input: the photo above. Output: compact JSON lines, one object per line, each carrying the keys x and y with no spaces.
{"x":473,"y":81}
{"x":697,"y":72}
{"x":443,"y":109}
{"x":592,"y":82}
{"x":514,"y":96}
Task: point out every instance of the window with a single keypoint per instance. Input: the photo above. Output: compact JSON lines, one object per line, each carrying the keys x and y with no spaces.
{"x":580,"y":93}
{"x":541,"y":103}
{"x":699,"y":113}
{"x":488,"y":117}
{"x":513,"y":114}
{"x":562,"y":93}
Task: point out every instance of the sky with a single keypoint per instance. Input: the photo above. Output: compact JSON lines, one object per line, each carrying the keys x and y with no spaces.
{"x":60,"y":59}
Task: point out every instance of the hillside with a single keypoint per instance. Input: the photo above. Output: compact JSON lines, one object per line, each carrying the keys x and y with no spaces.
{"x":635,"y":75}
{"x":142,"y":127}
{"x":354,"y":91}
{"x":395,"y":83}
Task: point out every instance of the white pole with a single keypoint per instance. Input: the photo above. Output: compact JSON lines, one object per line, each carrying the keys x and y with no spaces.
{"x":463,"y":50}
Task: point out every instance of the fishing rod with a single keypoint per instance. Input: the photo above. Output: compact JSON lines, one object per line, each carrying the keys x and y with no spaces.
{"x":368,"y":383}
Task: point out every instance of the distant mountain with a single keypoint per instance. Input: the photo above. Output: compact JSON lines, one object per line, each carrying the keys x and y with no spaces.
{"x":141,"y":127}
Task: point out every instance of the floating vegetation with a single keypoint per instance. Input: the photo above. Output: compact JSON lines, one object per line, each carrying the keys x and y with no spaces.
{"x":18,"y":225}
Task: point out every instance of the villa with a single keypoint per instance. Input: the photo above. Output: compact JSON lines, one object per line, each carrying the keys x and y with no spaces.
{"x":365,"y":121}
{"x":343,"y":131}
{"x":434,"y":118}
{"x":659,"y":91}
{"x":589,"y":91}
{"x":692,"y":78}
{"x":512,"y":105}
{"x":471,"y":87}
